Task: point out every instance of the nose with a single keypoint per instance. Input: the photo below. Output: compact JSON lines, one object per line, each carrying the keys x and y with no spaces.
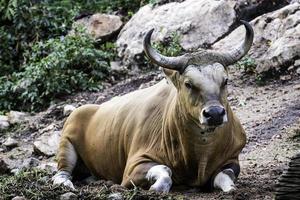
{"x":214,"y":115}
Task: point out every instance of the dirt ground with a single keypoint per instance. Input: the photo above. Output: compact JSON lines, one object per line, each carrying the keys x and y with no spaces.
{"x":270,"y":115}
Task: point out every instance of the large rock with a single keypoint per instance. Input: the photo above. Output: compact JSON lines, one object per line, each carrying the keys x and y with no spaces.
{"x":276,"y":40}
{"x":101,"y":26}
{"x":199,"y":23}
{"x":10,"y":142}
{"x":17,"y":159}
{"x":68,"y":109}
{"x":4,"y":123}
{"x":47,"y":144}
{"x":15,"y":117}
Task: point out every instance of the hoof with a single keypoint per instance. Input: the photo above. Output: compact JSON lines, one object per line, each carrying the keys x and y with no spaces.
{"x":229,"y":189}
{"x":63,"y":179}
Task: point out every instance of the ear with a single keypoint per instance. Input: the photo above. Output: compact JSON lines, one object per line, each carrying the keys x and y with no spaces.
{"x":172,"y":75}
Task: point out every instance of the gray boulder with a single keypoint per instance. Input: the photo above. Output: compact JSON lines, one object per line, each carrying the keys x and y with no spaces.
{"x":199,"y":23}
{"x":68,"y":109}
{"x":276,"y":40}
{"x":47,"y":144}
{"x":15,"y":117}
{"x":17,"y":159}
{"x":10,"y":142}
{"x":101,"y":26}
{"x":4,"y":123}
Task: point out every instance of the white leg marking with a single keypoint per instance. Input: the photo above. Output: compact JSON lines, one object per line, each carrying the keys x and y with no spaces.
{"x":161,"y":176}
{"x":224,"y":182}
{"x":63,"y":178}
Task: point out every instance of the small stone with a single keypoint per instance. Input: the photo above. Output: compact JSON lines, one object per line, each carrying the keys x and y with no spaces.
{"x":47,"y":144}
{"x":296,"y":87}
{"x":115,"y":196}
{"x":15,"y":171}
{"x":48,"y":166}
{"x":297,"y":63}
{"x":49,"y":128}
{"x":298,"y":70}
{"x":68,"y":109}
{"x":68,"y":196}
{"x":285,"y":78}
{"x":142,"y":86}
{"x":19,"y":198}
{"x":4,"y":123}
{"x":10,"y":142}
{"x":100,"y":99}
{"x":30,"y":162}
{"x":116,"y":66}
{"x":291,"y":68}
{"x":15,"y":117}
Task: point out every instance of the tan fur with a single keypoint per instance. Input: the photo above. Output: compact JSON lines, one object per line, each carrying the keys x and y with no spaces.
{"x":120,"y":140}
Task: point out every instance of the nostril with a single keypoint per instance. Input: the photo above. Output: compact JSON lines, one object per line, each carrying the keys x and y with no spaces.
{"x":206,"y":114}
{"x":223,"y":111}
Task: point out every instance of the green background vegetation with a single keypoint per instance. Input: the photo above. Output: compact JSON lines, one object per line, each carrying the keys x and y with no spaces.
{"x":40,"y":62}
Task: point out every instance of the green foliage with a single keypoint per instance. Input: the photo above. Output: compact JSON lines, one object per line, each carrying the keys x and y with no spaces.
{"x":38,"y":63}
{"x":171,"y":46}
{"x":247,"y":65}
{"x":55,"y":67}
{"x":24,"y":23}
{"x":123,"y":6}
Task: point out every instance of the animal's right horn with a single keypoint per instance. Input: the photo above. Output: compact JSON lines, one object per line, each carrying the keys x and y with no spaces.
{"x":175,"y":63}
{"x":226,"y":58}
{"x":235,"y":55}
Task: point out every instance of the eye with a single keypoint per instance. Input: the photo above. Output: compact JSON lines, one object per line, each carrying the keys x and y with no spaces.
{"x":188,"y":85}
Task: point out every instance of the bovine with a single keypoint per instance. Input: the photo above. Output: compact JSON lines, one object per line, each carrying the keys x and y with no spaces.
{"x":179,"y":131}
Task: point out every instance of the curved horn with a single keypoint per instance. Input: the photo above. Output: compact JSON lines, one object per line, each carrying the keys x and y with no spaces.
{"x":175,"y":63}
{"x":225,"y":58}
{"x":235,"y":55}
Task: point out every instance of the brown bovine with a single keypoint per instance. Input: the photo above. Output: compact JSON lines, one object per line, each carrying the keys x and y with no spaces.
{"x":179,"y":131}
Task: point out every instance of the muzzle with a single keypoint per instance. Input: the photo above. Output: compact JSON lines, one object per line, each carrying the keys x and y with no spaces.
{"x":214,"y":116}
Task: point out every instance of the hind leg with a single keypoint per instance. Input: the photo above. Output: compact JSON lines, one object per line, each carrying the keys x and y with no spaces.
{"x":67,"y":159}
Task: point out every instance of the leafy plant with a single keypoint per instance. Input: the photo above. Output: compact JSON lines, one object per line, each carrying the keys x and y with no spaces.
{"x":170,"y":46}
{"x":247,"y":64}
{"x":54,"y":68}
{"x":26,"y":22}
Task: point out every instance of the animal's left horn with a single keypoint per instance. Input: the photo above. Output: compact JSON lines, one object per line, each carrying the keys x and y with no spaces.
{"x":235,"y":55}
{"x":175,"y":63}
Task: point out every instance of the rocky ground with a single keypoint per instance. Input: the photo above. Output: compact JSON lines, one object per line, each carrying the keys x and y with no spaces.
{"x":269,"y":113}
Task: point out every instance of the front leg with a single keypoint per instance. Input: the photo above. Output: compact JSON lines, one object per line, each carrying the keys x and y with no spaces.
{"x":158,"y":177}
{"x":224,"y":180}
